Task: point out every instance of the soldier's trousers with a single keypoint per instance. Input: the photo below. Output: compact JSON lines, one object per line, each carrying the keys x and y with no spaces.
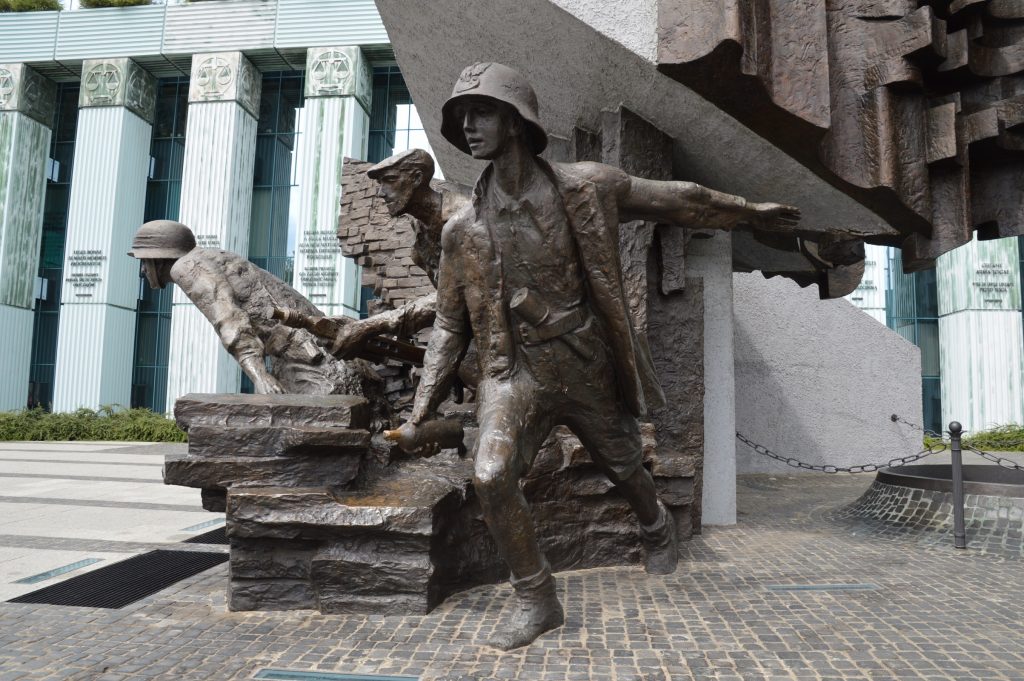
{"x":550,"y":385}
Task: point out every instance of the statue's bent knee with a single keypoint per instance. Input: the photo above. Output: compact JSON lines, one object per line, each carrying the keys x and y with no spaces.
{"x":495,"y":470}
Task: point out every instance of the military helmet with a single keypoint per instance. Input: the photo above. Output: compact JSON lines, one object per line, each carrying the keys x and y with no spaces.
{"x":499,"y":82}
{"x":162,"y":239}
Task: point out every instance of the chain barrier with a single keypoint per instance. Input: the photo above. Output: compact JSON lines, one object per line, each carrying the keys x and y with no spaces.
{"x":1004,"y":462}
{"x":930,"y":433}
{"x":863,"y":468}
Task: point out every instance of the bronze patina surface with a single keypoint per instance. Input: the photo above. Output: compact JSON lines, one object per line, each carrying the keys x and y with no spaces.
{"x":531,"y":271}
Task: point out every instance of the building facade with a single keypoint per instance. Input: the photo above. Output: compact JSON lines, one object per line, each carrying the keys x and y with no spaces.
{"x":231,"y":116}
{"x":967,"y":319}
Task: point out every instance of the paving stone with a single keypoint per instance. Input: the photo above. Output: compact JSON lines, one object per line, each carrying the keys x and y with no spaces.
{"x":937,"y":613}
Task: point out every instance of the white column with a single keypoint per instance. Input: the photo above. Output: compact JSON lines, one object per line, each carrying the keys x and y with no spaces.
{"x":216,"y":200}
{"x":711,"y":260}
{"x":96,"y":339}
{"x":981,"y":349}
{"x":336,"y":125}
{"x":870,"y":293}
{"x":26,"y":113}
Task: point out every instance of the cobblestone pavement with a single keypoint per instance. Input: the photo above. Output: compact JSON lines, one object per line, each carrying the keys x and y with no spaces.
{"x":917,"y":612}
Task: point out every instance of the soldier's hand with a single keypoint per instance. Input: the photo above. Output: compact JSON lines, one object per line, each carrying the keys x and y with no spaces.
{"x":268,"y":385}
{"x":774,"y":217}
{"x":409,"y":438}
{"x":351,"y":338}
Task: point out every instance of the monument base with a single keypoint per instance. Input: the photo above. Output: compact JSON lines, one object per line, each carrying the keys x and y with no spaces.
{"x":328,"y":527}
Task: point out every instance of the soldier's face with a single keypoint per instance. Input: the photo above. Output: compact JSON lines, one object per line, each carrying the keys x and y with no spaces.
{"x":488,"y":126}
{"x":397,"y":187}
{"x":158,"y":272}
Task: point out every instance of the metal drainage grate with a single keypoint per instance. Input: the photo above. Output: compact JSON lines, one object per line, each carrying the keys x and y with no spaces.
{"x":217,"y":536}
{"x":821,"y":587}
{"x":289,"y":675}
{"x":117,"y":585}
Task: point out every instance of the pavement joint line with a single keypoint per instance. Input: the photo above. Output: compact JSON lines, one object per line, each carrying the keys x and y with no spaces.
{"x":94,"y":478}
{"x":290,"y":675}
{"x":56,"y":572}
{"x":208,"y":523}
{"x":99,"y":503}
{"x":22,"y":541}
{"x":821,"y":587}
{"x":81,"y":462}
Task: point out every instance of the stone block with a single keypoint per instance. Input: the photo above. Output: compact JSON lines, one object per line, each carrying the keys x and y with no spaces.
{"x":274,"y":471}
{"x":219,"y":441}
{"x":334,"y":601}
{"x":577,"y":534}
{"x":333,"y":411}
{"x":684,"y":517}
{"x":271,"y":558}
{"x":372,"y":567}
{"x":271,"y":594}
{"x":675,"y":491}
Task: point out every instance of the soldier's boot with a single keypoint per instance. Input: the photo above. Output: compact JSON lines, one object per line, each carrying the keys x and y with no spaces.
{"x":538,"y":611}
{"x":661,"y":544}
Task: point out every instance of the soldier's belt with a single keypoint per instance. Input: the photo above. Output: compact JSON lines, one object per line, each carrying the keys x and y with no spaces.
{"x":567,"y":323}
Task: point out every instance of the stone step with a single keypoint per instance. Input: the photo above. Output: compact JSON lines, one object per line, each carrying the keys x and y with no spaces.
{"x":217,"y":409}
{"x":218,"y":441}
{"x":265,"y":471}
{"x":404,"y":502}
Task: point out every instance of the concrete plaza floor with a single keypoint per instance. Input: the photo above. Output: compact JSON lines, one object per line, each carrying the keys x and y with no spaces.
{"x":791,"y":592}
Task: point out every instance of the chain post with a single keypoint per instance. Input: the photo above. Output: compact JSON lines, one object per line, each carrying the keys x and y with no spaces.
{"x":959,"y":534}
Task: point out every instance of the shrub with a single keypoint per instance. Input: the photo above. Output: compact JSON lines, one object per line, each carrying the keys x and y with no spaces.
{"x":89,"y":4}
{"x":29,"y":5}
{"x":108,"y":423}
{"x":1001,"y":439}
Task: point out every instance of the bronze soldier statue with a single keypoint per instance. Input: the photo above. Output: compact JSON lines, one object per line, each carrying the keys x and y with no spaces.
{"x":531,"y":271}
{"x":234,"y":296}
{"x":404,"y":186}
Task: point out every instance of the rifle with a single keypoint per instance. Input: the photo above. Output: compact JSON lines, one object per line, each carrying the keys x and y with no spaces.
{"x":376,"y":349}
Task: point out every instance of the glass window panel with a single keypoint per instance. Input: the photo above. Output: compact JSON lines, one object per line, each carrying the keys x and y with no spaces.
{"x":928,"y":341}
{"x":67,"y":114}
{"x":263,"y":167}
{"x":268,"y":105}
{"x":64,"y":155}
{"x":927,"y":296}
{"x":146,"y":337}
{"x":282,"y":174}
{"x":52,"y":250}
{"x":932,"y":391}
{"x":166,"y":101}
{"x":259,"y":230}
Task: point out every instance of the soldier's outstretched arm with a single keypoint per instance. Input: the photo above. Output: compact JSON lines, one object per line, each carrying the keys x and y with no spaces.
{"x":402,"y":322}
{"x":691,"y":205}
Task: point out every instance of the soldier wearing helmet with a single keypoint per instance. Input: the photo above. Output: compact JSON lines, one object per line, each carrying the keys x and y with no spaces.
{"x":531,"y":271}
{"x":233,"y":294}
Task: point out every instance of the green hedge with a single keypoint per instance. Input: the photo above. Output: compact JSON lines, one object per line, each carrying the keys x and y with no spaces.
{"x":29,"y":5}
{"x":88,"y":4}
{"x":1001,"y":439}
{"x":109,"y":423}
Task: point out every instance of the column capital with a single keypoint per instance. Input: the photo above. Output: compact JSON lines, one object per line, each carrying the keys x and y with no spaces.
{"x":24,"y":90}
{"x":118,"y":82}
{"x":338,"y":72}
{"x":225,"y":77}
